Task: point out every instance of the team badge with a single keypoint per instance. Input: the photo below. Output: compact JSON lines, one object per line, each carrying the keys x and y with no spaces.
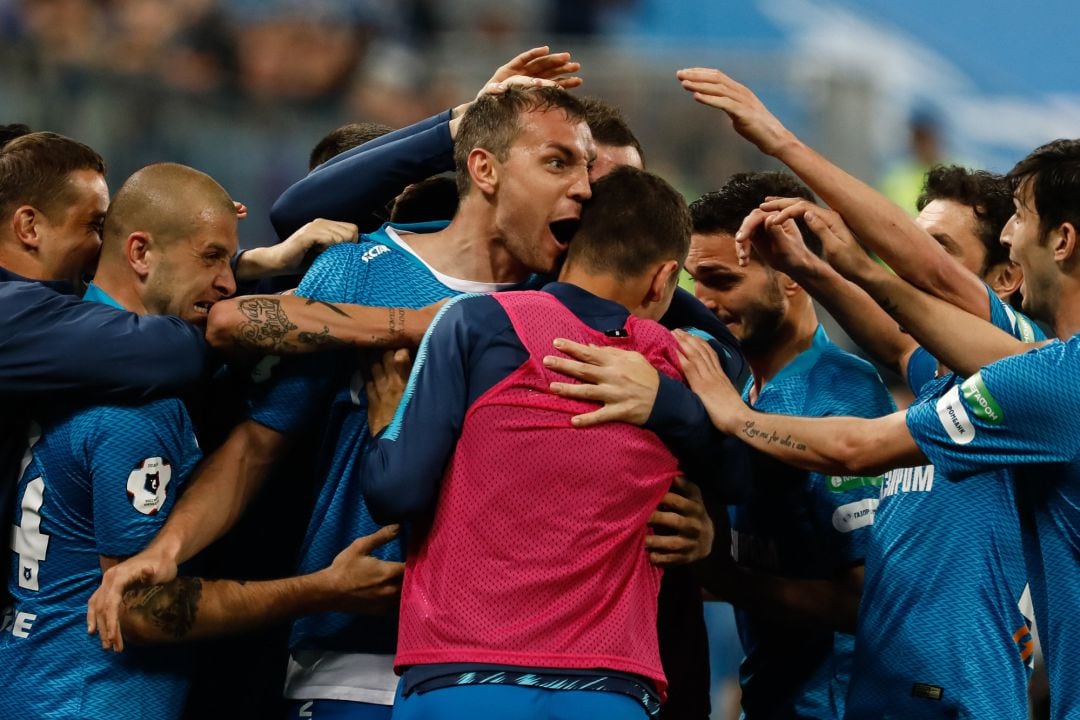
{"x":148,"y":484}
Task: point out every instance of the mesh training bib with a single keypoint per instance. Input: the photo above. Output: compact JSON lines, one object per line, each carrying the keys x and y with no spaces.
{"x":536,"y":554}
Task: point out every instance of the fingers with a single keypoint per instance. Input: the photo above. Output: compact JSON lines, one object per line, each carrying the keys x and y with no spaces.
{"x":681,"y":486}
{"x":750,"y":225}
{"x":696,"y":350}
{"x":367,"y":544}
{"x":580,"y":370}
{"x":585,"y":353}
{"x":675,"y":503}
{"x":241,"y":210}
{"x":518,"y":81}
{"x":586,"y":391}
{"x":606,"y":414}
{"x":401,"y":360}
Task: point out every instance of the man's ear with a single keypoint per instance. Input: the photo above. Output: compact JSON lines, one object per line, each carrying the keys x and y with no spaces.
{"x":483,"y":169}
{"x":1064,"y":244}
{"x":664,"y":277}
{"x":26,"y":224}
{"x":1004,"y":278}
{"x":788,"y":287}
{"x":139,"y":251}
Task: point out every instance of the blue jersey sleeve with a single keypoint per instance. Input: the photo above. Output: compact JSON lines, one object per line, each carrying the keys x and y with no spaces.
{"x":138,"y":459}
{"x":353,"y":185}
{"x":54,"y":344}
{"x":922,"y":368}
{"x":401,"y":474}
{"x":1017,"y":411}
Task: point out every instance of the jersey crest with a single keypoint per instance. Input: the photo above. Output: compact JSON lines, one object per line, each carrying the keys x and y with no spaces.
{"x":148,"y":484}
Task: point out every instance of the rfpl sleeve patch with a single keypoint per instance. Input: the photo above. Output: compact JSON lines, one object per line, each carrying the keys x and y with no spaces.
{"x":148,"y":484}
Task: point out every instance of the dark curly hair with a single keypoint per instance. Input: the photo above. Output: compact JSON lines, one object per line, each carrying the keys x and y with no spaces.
{"x":987,"y":194}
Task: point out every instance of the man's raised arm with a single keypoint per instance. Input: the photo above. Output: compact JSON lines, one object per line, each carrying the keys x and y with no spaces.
{"x":885,"y":228}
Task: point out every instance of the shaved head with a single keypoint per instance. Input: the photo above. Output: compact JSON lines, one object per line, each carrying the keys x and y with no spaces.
{"x":166,"y":200}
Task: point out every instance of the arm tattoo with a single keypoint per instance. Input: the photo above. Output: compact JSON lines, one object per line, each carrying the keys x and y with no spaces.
{"x":397,"y":322}
{"x":332,"y":307}
{"x":765,"y":437}
{"x":171,"y":608}
{"x":321,"y":339}
{"x":266,"y":326}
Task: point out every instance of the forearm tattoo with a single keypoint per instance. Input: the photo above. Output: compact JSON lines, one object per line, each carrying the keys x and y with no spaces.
{"x":333,"y":308}
{"x":766,"y":437}
{"x":267,"y":326}
{"x":171,"y":608}
{"x":322,"y":339}
{"x":397,"y":322}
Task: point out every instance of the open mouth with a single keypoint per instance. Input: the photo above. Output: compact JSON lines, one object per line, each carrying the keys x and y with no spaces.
{"x":563,"y":231}
{"x":203,"y":307}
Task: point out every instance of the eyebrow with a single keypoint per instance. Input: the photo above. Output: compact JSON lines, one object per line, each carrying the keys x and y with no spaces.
{"x":715,"y":269}
{"x":946,"y":240}
{"x":567,"y":150}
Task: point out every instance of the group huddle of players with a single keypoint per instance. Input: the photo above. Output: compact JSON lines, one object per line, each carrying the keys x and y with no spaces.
{"x":521,"y":452}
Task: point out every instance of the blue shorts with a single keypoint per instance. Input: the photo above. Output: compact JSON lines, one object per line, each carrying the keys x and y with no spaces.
{"x":336,"y":710}
{"x":515,"y":702}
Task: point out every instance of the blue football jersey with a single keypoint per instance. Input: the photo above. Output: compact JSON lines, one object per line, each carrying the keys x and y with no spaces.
{"x":804,"y":525}
{"x":945,"y":616}
{"x":923,"y":367}
{"x":378,"y":271}
{"x":98,"y":482}
{"x":1021,"y":413}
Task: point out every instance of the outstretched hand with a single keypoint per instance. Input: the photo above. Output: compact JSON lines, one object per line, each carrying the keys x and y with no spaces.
{"x":749,"y":116}
{"x":709,"y":381}
{"x":538,"y":63}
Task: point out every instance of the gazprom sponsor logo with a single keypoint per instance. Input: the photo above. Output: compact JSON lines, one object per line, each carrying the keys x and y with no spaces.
{"x":954,"y":417}
{"x":855,"y":515}
{"x":979,"y":399}
{"x":374,"y":252}
{"x":910,"y":479}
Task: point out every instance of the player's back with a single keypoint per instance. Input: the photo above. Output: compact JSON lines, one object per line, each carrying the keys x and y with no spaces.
{"x":554,"y":519}
{"x":803,"y":525}
{"x":97,"y":482}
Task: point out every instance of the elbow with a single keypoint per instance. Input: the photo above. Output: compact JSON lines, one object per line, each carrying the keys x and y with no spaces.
{"x":850,"y":456}
{"x":219,"y":324}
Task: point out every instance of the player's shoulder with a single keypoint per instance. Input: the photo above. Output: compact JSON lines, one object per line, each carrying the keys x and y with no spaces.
{"x":129,"y":420}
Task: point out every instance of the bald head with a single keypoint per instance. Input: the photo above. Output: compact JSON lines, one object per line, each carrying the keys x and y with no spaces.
{"x":167,"y":201}
{"x":169,"y":236}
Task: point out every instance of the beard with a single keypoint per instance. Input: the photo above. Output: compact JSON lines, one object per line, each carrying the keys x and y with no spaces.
{"x":761,"y":321}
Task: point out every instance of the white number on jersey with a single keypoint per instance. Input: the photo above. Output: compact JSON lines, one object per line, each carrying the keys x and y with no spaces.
{"x":27,"y":540}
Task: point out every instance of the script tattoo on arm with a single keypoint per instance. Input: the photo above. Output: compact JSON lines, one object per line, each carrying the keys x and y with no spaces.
{"x":171,"y":608}
{"x":397,"y":322}
{"x":767,"y":437}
